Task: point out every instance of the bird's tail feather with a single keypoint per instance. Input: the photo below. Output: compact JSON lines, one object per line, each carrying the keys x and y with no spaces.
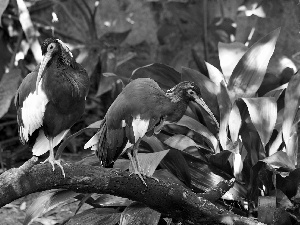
{"x":42,"y":145}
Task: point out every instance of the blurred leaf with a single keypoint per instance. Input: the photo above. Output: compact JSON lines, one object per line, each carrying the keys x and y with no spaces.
{"x":3,"y":5}
{"x":107,"y":216}
{"x":229,"y":55}
{"x":8,"y":87}
{"x":91,"y":159}
{"x":237,"y":165}
{"x":214,"y":74}
{"x":235,"y":122}
{"x":292,"y":96}
{"x":181,"y":142}
{"x":292,"y":145}
{"x":106,"y":84}
{"x":112,"y":39}
{"x":164,"y":75}
{"x":138,"y":214}
{"x":263,"y":113}
{"x":111,"y":200}
{"x":209,"y":89}
{"x":248,"y":74}
{"x":194,"y":125}
{"x":282,"y":199}
{"x":280,"y":159}
{"x":122,"y":164}
{"x":46,"y":201}
{"x":225,"y":108}
{"x":149,"y":161}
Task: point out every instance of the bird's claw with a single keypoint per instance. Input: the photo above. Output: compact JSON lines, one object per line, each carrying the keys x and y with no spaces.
{"x":57,"y":162}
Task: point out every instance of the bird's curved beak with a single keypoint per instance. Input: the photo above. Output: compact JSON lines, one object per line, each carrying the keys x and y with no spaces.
{"x":43,"y":64}
{"x":201,"y":102}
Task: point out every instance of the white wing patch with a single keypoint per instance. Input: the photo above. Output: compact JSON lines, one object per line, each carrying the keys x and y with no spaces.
{"x":42,"y":145}
{"x":93,"y":142}
{"x":33,"y":110}
{"x":139,"y":127}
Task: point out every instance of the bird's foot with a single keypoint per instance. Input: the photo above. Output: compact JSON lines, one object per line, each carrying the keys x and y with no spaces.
{"x":57,"y":162}
{"x":141,"y":176}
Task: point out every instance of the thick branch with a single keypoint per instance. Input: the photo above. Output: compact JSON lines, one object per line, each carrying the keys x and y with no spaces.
{"x":168,"y":198}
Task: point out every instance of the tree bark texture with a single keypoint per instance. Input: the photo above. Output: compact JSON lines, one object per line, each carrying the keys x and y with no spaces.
{"x":166,"y":197}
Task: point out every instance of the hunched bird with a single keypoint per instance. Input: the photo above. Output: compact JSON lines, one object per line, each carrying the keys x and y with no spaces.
{"x":141,"y":108}
{"x":51,"y":99}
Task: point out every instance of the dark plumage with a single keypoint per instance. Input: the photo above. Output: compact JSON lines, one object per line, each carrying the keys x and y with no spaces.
{"x":51,"y":99}
{"x":142,"y":107}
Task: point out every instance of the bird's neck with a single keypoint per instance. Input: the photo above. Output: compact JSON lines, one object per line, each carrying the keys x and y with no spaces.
{"x":175,"y":98}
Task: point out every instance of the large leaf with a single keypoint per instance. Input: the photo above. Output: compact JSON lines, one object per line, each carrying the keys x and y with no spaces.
{"x":164,"y":75}
{"x":47,"y":201}
{"x":107,"y":216}
{"x":276,"y":92}
{"x":215,"y":75}
{"x":292,"y":96}
{"x":235,"y":122}
{"x":194,"y":125}
{"x":225,"y":108}
{"x":209,"y":89}
{"x":280,"y":159}
{"x":139,"y":214}
{"x":8,"y":87}
{"x":248,"y":74}
{"x":229,"y":55}
{"x":263,"y":113}
{"x":181,"y":142}
{"x":149,"y":161}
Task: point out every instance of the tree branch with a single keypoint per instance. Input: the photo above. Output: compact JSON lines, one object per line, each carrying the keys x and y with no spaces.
{"x":164,"y":196}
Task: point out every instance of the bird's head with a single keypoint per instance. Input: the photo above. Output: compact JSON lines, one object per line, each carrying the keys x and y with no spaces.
{"x":188,"y":91}
{"x":51,"y":47}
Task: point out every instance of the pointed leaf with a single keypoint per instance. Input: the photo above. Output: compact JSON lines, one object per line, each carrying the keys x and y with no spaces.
{"x":276,"y":144}
{"x":276,"y":92}
{"x":215,"y":75}
{"x":111,"y":200}
{"x":280,"y":159}
{"x":107,"y":216}
{"x":235,"y":123}
{"x":229,"y":55}
{"x":263,"y":113}
{"x":225,"y":108}
{"x":8,"y":87}
{"x":291,"y":100}
{"x":248,"y":74}
{"x":138,"y":214}
{"x":149,"y":161}
{"x":164,"y":75}
{"x":47,"y":201}
{"x":194,"y":125}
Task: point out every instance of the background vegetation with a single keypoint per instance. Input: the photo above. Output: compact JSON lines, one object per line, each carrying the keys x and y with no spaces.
{"x":112,"y":38}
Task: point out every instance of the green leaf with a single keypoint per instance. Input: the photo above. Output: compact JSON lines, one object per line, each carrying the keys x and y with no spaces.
{"x":149,"y":161}
{"x":215,"y":75}
{"x":47,"y":201}
{"x":139,"y":214}
{"x":225,"y":108}
{"x":107,"y":216}
{"x":280,"y":159}
{"x":263,"y":113}
{"x":291,"y":100}
{"x":276,"y":92}
{"x":235,"y":123}
{"x":181,"y":142}
{"x":229,"y":55}
{"x":249,"y":73}
{"x":276,"y":143}
{"x":3,"y":5}
{"x":111,"y":200}
{"x":164,"y":75}
{"x":8,"y":87}
{"x":194,"y":125}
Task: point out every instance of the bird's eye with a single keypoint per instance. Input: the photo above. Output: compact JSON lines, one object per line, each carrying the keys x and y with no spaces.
{"x":51,"y":47}
{"x":191,"y":92}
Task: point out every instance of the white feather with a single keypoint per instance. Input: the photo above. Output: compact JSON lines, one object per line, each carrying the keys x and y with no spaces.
{"x":42,"y":145}
{"x":33,"y":111}
{"x":139,"y":127}
{"x":93,"y":142}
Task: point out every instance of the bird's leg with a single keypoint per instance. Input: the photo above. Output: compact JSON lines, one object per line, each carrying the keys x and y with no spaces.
{"x":135,"y":163}
{"x":52,"y":160}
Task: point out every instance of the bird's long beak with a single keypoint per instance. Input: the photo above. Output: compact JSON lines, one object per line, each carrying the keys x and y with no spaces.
{"x":44,"y":62}
{"x":201,"y":102}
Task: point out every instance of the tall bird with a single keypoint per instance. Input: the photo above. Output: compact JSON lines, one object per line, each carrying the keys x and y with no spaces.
{"x":141,"y":108}
{"x":51,"y":99}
